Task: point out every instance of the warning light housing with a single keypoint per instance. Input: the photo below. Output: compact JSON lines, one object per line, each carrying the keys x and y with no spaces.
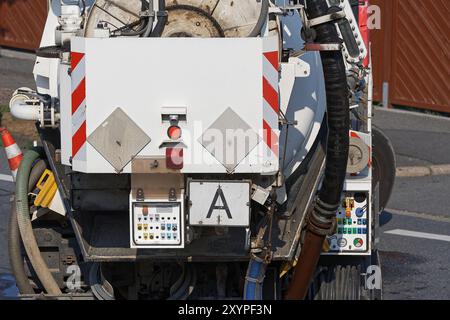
{"x":174,"y":158}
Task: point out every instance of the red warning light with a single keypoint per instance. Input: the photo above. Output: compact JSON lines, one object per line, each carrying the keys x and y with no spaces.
{"x":174,"y":132}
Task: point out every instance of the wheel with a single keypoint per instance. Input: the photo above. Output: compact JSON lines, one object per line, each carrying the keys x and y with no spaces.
{"x":383,"y":166}
{"x":338,"y":282}
{"x":347,"y":278}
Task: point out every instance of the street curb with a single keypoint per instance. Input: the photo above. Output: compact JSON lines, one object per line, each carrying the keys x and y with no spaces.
{"x":16,"y":54}
{"x":424,"y":171}
{"x":412,"y":113}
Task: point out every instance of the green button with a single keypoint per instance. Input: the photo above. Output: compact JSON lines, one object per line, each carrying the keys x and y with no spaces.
{"x":345,"y":230}
{"x":349,"y":231}
{"x":355,"y":230}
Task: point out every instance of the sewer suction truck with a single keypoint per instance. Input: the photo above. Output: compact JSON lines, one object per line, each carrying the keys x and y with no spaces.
{"x":201,"y":149}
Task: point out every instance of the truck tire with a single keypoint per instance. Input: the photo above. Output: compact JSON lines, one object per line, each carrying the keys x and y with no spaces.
{"x":383,"y":166}
{"x":338,"y":282}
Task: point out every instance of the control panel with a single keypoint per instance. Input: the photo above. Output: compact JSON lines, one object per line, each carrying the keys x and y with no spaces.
{"x":353,"y":225}
{"x":157,"y":225}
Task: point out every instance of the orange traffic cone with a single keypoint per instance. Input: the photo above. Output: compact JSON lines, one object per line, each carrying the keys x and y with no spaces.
{"x":13,"y":152}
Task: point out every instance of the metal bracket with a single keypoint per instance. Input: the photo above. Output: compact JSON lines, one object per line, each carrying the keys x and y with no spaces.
{"x":140,"y":196}
{"x":325,"y":19}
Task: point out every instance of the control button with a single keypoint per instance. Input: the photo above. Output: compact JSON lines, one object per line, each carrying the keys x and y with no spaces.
{"x":163,"y":227}
{"x":145,"y":210}
{"x":364,"y":221}
{"x":365,"y":231}
{"x":358,"y":242}
{"x":355,"y":231}
{"x":359,"y":230}
{"x":359,"y":212}
{"x":342,"y":242}
{"x":359,"y":221}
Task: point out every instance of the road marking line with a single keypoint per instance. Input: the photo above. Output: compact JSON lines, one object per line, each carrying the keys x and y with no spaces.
{"x":6,"y":177}
{"x":419,"y":215}
{"x":422,"y":235}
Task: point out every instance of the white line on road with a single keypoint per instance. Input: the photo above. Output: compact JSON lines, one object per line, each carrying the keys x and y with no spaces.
{"x":422,"y":235}
{"x":420,"y":215}
{"x":6,"y":177}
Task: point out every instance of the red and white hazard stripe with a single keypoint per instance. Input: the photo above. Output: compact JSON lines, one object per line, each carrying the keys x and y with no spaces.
{"x":271,"y":101}
{"x":78,"y":76}
{"x":13,"y":152}
{"x":365,"y":31}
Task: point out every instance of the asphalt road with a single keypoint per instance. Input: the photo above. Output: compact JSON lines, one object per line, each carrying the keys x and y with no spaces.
{"x":413,"y":267}
{"x":416,"y":267}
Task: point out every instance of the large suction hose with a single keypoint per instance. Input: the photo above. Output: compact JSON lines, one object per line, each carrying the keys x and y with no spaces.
{"x":261,"y":20}
{"x":14,"y":240}
{"x":321,"y":219}
{"x":23,"y":219}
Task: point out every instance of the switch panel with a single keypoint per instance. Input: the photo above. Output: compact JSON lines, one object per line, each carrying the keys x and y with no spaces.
{"x":353,"y":225}
{"x":157,"y":225}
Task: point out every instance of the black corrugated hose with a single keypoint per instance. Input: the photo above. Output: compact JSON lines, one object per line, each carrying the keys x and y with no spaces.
{"x":321,"y":219}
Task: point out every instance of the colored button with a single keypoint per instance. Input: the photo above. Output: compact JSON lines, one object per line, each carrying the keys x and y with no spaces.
{"x":358,"y":242}
{"x":364,"y":221}
{"x":359,"y":230}
{"x":355,"y":230}
{"x":364,"y":231}
{"x":359,"y":212}
{"x":359,"y":221}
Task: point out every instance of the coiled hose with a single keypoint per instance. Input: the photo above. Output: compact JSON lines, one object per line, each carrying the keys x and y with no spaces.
{"x":321,"y":219}
{"x":14,"y":240}
{"x":261,"y":20}
{"x":24,"y":222}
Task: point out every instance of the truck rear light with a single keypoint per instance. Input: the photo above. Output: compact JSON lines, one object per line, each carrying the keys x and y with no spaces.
{"x":174,"y":158}
{"x":174,"y":132}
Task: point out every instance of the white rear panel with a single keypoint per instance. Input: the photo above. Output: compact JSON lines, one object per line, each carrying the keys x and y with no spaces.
{"x":218,"y":82}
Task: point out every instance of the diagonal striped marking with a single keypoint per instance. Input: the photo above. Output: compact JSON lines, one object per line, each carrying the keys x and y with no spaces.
{"x":271,"y":75}
{"x":270,"y":116}
{"x":79,"y":117}
{"x":78,"y":95}
{"x":79,"y":139}
{"x":273,"y":58}
{"x":78,"y":74}
{"x":76,"y":57}
{"x":270,"y":95}
{"x":270,"y":138}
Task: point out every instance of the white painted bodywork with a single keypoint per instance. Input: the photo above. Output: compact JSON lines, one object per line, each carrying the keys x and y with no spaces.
{"x":301,"y":98}
{"x":210,"y":76}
